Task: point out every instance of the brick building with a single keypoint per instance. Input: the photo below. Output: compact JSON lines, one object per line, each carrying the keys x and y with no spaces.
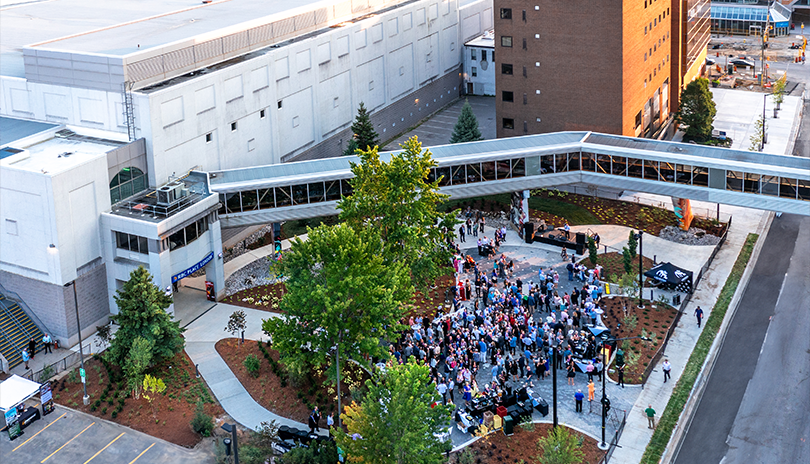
{"x":582,"y":65}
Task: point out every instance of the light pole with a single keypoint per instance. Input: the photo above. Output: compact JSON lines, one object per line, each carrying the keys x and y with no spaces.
{"x":231,"y":428}
{"x":605,"y":401}
{"x":86,"y":398}
{"x":554,"y":378}
{"x":640,"y":237}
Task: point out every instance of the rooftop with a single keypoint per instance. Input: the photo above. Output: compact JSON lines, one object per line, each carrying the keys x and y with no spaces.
{"x":145,"y":206}
{"x":12,"y":129}
{"x":487,"y":39}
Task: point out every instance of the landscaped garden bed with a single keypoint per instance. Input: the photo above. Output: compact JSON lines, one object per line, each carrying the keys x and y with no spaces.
{"x":168,"y":417}
{"x":613,"y":265}
{"x":625,"y":319}
{"x":521,"y":447}
{"x":275,"y":389}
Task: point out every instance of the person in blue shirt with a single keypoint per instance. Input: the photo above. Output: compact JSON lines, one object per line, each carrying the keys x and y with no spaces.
{"x":579,"y":396}
{"x":513,"y":344}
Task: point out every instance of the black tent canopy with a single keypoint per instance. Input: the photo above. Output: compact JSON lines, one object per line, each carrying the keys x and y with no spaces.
{"x":672,"y":276}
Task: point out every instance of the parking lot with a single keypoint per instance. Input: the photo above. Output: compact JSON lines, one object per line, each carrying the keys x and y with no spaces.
{"x":67,"y":436}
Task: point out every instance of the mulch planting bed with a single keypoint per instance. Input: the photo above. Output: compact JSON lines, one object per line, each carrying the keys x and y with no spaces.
{"x":522,"y":446}
{"x":612,"y":264}
{"x":174,"y":409}
{"x":652,"y":322}
{"x":277,"y":392}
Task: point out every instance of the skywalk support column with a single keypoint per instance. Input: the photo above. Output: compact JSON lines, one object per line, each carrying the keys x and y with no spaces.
{"x":524,"y":205}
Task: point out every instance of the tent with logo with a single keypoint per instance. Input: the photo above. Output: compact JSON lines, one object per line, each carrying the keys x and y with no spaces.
{"x":672,"y":276}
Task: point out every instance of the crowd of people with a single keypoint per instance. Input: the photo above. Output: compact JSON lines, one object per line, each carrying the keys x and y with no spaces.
{"x":520,"y":330}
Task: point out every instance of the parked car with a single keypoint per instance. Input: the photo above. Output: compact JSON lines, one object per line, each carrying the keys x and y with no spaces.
{"x":710,"y":62}
{"x":795,"y":46}
{"x":742,"y":62}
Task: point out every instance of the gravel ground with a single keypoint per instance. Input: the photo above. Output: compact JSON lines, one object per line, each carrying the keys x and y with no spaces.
{"x":693,"y":236}
{"x":241,"y":247}
{"x":254,"y":274}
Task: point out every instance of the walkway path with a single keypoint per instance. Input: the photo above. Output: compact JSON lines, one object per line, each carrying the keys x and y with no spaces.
{"x":201,"y":336}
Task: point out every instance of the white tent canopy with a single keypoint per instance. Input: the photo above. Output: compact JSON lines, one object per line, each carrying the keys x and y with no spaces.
{"x":15,"y":390}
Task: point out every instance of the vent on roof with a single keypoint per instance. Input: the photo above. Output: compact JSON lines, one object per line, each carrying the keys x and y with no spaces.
{"x":65,"y":154}
{"x":64,"y":134}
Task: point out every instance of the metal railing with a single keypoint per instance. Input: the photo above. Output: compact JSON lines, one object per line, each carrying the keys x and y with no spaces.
{"x":51,"y":370}
{"x":614,"y":440}
{"x":26,"y":309}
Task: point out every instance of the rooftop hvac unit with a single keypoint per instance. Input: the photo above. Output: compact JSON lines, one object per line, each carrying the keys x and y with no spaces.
{"x":169,"y":194}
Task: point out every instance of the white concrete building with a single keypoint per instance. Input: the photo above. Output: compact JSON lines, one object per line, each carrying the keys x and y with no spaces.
{"x":150,"y":93}
{"x":479,"y":64}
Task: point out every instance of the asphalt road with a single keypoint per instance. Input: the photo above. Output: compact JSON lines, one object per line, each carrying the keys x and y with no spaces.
{"x":757,"y":400}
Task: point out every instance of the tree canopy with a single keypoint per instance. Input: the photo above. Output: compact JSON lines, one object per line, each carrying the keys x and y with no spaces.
{"x":466,"y":129}
{"x":697,"y":110}
{"x":339,"y":293}
{"x":142,"y":313}
{"x":397,"y":199}
{"x":363,"y":130}
{"x":396,"y":421}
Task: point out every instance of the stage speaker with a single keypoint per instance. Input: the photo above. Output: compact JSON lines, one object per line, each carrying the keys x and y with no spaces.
{"x":580,"y":238}
{"x":528,"y":232}
{"x":508,"y":426}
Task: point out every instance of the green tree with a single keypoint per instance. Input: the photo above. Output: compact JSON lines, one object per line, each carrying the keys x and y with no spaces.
{"x":627,"y":260}
{"x":136,"y":363}
{"x":364,"y":134}
{"x":632,"y":244}
{"x":396,"y":421}
{"x":396,"y":199}
{"x":154,"y":386}
{"x":779,"y":91}
{"x":697,"y":110}
{"x":561,"y":446}
{"x":593,"y":256}
{"x":142,"y":313}
{"x":466,"y":129}
{"x":757,"y":138}
{"x":351,"y":147}
{"x":339,"y":294}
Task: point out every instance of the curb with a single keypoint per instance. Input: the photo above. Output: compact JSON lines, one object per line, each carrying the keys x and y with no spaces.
{"x":536,"y":421}
{"x":695,"y":396}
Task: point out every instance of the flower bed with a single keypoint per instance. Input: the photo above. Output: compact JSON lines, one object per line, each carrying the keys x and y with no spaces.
{"x":652,"y":322}
{"x":114,"y":401}
{"x":613,"y":265}
{"x":274,"y":389}
{"x":522,"y":446}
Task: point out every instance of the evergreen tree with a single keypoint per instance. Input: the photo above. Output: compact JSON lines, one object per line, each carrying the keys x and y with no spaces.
{"x":362,"y":128}
{"x":561,"y":446}
{"x":466,"y":129}
{"x":697,"y":110}
{"x":142,"y":313}
{"x":351,"y":147}
{"x":632,"y":244}
{"x":593,"y":256}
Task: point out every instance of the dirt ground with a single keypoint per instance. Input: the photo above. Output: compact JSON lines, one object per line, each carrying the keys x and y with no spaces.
{"x":175,"y":407}
{"x":522,"y":447}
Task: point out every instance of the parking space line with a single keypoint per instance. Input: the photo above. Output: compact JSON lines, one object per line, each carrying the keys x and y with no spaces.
{"x":142,"y":453}
{"x":102,"y":449}
{"x":68,"y":442}
{"x":43,"y":429}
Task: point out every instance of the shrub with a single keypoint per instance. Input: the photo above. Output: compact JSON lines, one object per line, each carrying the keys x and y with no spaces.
{"x":252,"y":365}
{"x":114,"y":414}
{"x":202,"y":423}
{"x":104,"y":411}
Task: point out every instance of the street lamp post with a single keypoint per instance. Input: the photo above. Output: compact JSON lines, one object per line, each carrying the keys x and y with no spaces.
{"x":231,"y":428}
{"x":605,"y":401}
{"x":554,"y":377}
{"x":640,"y":237}
{"x":86,"y":398}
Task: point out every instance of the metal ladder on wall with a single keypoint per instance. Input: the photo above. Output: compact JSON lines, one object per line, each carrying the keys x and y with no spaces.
{"x":129,"y":109}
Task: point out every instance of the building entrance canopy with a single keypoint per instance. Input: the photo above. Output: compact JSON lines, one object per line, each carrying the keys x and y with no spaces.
{"x":719,"y":175}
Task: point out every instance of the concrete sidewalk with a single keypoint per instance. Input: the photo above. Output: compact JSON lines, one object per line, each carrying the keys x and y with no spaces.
{"x":636,"y":434}
{"x":201,"y":336}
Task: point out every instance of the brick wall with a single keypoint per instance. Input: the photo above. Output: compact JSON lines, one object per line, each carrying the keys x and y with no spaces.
{"x":396,"y":117}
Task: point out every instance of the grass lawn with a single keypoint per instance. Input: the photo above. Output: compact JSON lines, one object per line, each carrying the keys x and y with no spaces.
{"x":663,"y":432}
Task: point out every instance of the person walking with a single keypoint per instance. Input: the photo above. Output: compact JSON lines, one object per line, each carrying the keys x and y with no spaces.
{"x":591,"y":390}
{"x":47,"y":341}
{"x":442,"y":389}
{"x":698,"y":315}
{"x":667,"y":368}
{"x":572,"y":372}
{"x":579,"y":396}
{"x":620,"y":371}
{"x":650,"y":417}
{"x":590,"y":370}
{"x":330,"y":420}
{"x":32,"y":347}
{"x":25,"y":357}
{"x":461,"y":234}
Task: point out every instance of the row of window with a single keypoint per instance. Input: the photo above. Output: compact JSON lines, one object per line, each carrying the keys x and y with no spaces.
{"x":484,"y":54}
{"x":132,"y":243}
{"x":186,"y":235}
{"x":126,"y":183}
{"x":782,"y":187}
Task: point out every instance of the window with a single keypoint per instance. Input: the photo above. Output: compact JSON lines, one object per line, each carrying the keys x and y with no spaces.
{"x":209,"y":137}
{"x":484,"y":56}
{"x":131,"y":243}
{"x":261,"y":114}
{"x":506,"y":69}
{"x":524,"y":72}
{"x":524,"y":15}
{"x":524,"y":43}
{"x":638,"y":115}
{"x":473,"y":54}
{"x":279,"y":104}
{"x":507,"y":96}
{"x":645,"y":30}
{"x":537,"y":36}
{"x":233,"y":126}
{"x":645,"y":56}
{"x":525,"y":127}
{"x":506,"y":41}
{"x":474,"y":71}
{"x":191,"y":232}
{"x":506,"y":13}
{"x":126,"y":183}
{"x":525,"y":99}
{"x":508,"y":123}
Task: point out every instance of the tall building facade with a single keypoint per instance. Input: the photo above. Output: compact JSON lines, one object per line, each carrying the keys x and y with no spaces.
{"x":691,"y":21}
{"x":580,"y":65}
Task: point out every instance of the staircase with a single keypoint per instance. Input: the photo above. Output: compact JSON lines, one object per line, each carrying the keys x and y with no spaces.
{"x":15,"y":330}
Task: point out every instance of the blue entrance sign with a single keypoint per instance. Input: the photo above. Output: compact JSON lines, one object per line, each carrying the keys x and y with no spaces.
{"x":193,"y":268}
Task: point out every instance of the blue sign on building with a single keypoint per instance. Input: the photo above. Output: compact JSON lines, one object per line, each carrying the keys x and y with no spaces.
{"x":193,"y":268}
